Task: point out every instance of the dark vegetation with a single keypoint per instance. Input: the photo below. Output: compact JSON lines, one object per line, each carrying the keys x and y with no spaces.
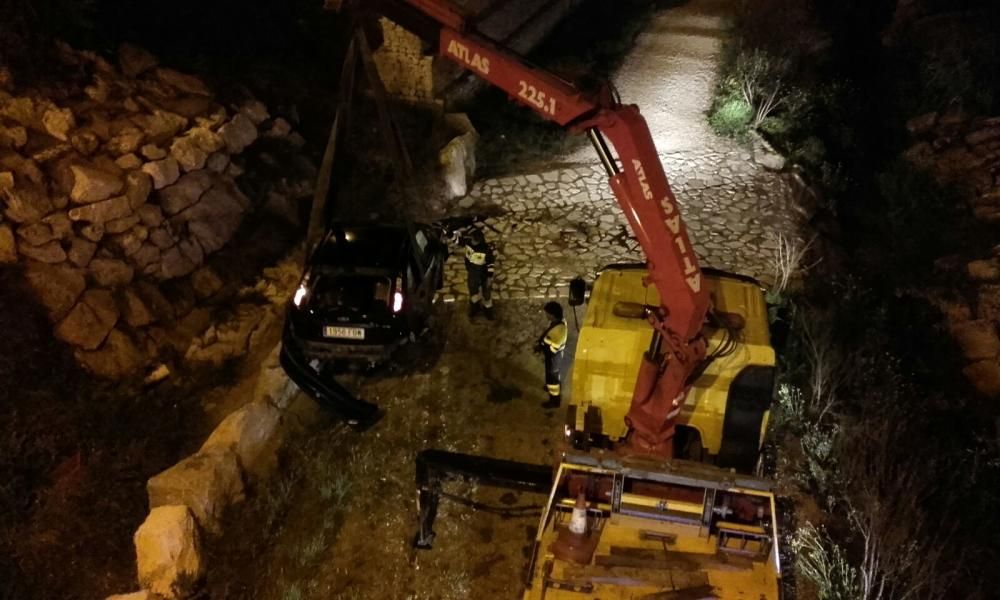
{"x":892,"y":456}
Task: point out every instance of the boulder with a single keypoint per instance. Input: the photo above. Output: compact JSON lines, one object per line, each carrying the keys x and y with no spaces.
{"x":984,"y":376}
{"x":138,"y":186}
{"x":977,"y":339}
{"x":147,"y":258}
{"x":457,"y":161}
{"x":135,"y":61}
{"x":238,"y":133}
{"x":61,"y":225}
{"x":160,"y":126}
{"x":109,"y":272}
{"x":51,"y":253}
{"x":26,"y":202}
{"x":129,"y":162}
{"x":121,"y":225}
{"x":161,"y":238}
{"x":214,"y":234}
{"x":93,"y":231}
{"x":14,"y":137}
{"x":36,"y":234}
{"x":89,"y":322}
{"x":81,"y":251}
{"x":164,"y":172}
{"x":922,"y":124}
{"x":175,"y":264}
{"x":57,"y":287}
{"x":984,"y":135}
{"x":187,"y":191}
{"x":102,"y":212}
{"x":93,"y":185}
{"x":207,"y":483}
{"x":205,"y":139}
{"x":127,"y":141}
{"x":280,"y":128}
{"x":988,"y":303}
{"x":217,"y":162}
{"x":134,"y":310}
{"x":189,"y":84}
{"x":188,"y":154}
{"x":153,"y":152}
{"x":206,"y":282}
{"x":251,"y":433}
{"x":255,"y":110}
{"x":21,"y":110}
{"x":131,"y":241}
{"x":191,"y":249}
{"x":140,"y":595}
{"x":58,"y":122}
{"x":168,"y":552}
{"x":984,"y":270}
{"x":118,"y":358}
{"x":150,"y":215}
{"x":8,"y":245}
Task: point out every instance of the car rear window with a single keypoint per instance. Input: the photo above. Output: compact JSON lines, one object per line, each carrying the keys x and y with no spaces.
{"x":352,"y":291}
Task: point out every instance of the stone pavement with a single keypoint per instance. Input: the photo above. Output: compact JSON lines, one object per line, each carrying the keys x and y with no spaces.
{"x":552,"y":226}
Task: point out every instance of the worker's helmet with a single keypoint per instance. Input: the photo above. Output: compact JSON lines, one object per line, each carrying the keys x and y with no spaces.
{"x":554,"y":309}
{"x":476,"y":235}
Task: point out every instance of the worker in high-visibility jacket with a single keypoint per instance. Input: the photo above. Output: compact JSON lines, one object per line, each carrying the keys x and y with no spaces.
{"x":479,"y":267}
{"x":552,"y":345}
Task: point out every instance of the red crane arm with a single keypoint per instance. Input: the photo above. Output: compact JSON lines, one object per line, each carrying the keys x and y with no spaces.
{"x":640,"y":185}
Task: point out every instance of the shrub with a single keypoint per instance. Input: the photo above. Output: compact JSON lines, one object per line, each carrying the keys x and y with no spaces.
{"x":731,"y":118}
{"x":825,"y":563}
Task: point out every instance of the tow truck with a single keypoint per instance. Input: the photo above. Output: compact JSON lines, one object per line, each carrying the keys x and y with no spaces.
{"x":673,"y":363}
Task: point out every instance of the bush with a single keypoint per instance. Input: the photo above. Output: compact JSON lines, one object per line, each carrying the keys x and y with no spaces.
{"x":731,"y":118}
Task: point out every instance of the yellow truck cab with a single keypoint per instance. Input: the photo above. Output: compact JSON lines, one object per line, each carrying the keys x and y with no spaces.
{"x":650,"y":529}
{"x":725,"y":413}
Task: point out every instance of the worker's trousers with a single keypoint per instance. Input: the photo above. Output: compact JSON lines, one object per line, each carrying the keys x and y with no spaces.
{"x":553,"y":376}
{"x":480,"y":283}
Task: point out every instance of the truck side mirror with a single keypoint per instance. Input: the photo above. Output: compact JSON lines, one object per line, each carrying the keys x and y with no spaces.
{"x":577,"y":292}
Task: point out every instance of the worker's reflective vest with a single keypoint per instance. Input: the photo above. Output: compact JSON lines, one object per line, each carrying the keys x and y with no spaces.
{"x":554,"y":339}
{"x":479,"y":257}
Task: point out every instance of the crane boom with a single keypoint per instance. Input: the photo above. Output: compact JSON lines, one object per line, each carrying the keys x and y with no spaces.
{"x":640,"y":186}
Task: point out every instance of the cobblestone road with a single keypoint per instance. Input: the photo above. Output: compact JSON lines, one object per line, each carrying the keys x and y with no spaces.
{"x":551,"y":226}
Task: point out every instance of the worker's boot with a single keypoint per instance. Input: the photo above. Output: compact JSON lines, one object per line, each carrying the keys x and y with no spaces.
{"x":553,"y":403}
{"x":488,"y":312}
{"x":474,"y":308}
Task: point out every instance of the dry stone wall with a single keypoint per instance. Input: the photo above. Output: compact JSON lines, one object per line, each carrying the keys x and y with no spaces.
{"x":114,"y":189}
{"x":965,"y":152}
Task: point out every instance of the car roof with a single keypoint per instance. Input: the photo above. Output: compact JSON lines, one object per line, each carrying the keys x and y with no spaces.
{"x":364,"y":245}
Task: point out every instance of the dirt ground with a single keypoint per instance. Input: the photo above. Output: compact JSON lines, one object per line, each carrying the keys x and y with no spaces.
{"x":340,"y":519}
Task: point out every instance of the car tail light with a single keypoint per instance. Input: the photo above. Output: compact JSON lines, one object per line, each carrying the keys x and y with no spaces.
{"x":397,"y":302}
{"x":300,"y":294}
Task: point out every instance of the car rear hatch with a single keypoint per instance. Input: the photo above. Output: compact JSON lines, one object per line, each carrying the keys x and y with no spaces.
{"x":351,"y":307}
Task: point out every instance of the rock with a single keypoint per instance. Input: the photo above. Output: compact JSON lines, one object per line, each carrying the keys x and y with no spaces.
{"x":100,"y":90}
{"x":175,"y":264}
{"x":191,"y":249}
{"x":14,"y":137}
{"x":62,"y":227}
{"x":51,"y":253}
{"x":160,"y":126}
{"x":6,"y":181}
{"x":135,"y":61}
{"x":206,"y":282}
{"x":57,"y":287}
{"x":127,"y":141}
{"x":147,"y":258}
{"x":21,"y":110}
{"x":280,"y":128}
{"x":457,"y":161}
{"x":157,"y":375}
{"x":207,"y":483}
{"x":129,"y":162}
{"x":155,"y":300}
{"x":977,"y":339}
{"x":138,"y":186}
{"x":81,"y":251}
{"x":255,"y":110}
{"x":213,"y":235}
{"x":988,"y":303}
{"x":238,"y":133}
{"x":25,"y":169}
{"x":153,"y":152}
{"x":168,"y":552}
{"x":205,"y":139}
{"x":118,"y":358}
{"x":134,"y":310}
{"x":58,"y":122}
{"x":109,"y":272}
{"x":189,"y":84}
{"x":187,"y":191}
{"x":922,"y":124}
{"x":90,"y":321}
{"x":161,"y":238}
{"x":93,"y":185}
{"x":131,"y":242}
{"x":283,"y":207}
{"x":192,"y":107}
{"x":150,"y":215}
{"x":8,"y":245}
{"x":121,"y":225}
{"x":26,"y":202}
{"x":164,"y":172}
{"x":140,"y":595}
{"x":93,"y":231}
{"x":131,"y":105}
{"x":102,"y":212}
{"x":982,"y":136}
{"x":250,"y":433}
{"x":984,"y":376}
{"x":187,"y":154}
{"x":84,"y":142}
{"x":984,"y":270}
{"x":217,"y":162}
{"x":36,"y":234}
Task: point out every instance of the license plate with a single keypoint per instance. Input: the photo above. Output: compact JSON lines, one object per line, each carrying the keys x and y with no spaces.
{"x":348,"y":333}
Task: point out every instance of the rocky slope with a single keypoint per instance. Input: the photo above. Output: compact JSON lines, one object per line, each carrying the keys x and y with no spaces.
{"x":118,"y":182}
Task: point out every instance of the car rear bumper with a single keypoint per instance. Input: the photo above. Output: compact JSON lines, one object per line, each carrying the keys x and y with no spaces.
{"x":334,"y":349}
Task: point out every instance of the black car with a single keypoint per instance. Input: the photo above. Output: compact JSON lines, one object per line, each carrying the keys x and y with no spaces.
{"x":367,"y":289}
